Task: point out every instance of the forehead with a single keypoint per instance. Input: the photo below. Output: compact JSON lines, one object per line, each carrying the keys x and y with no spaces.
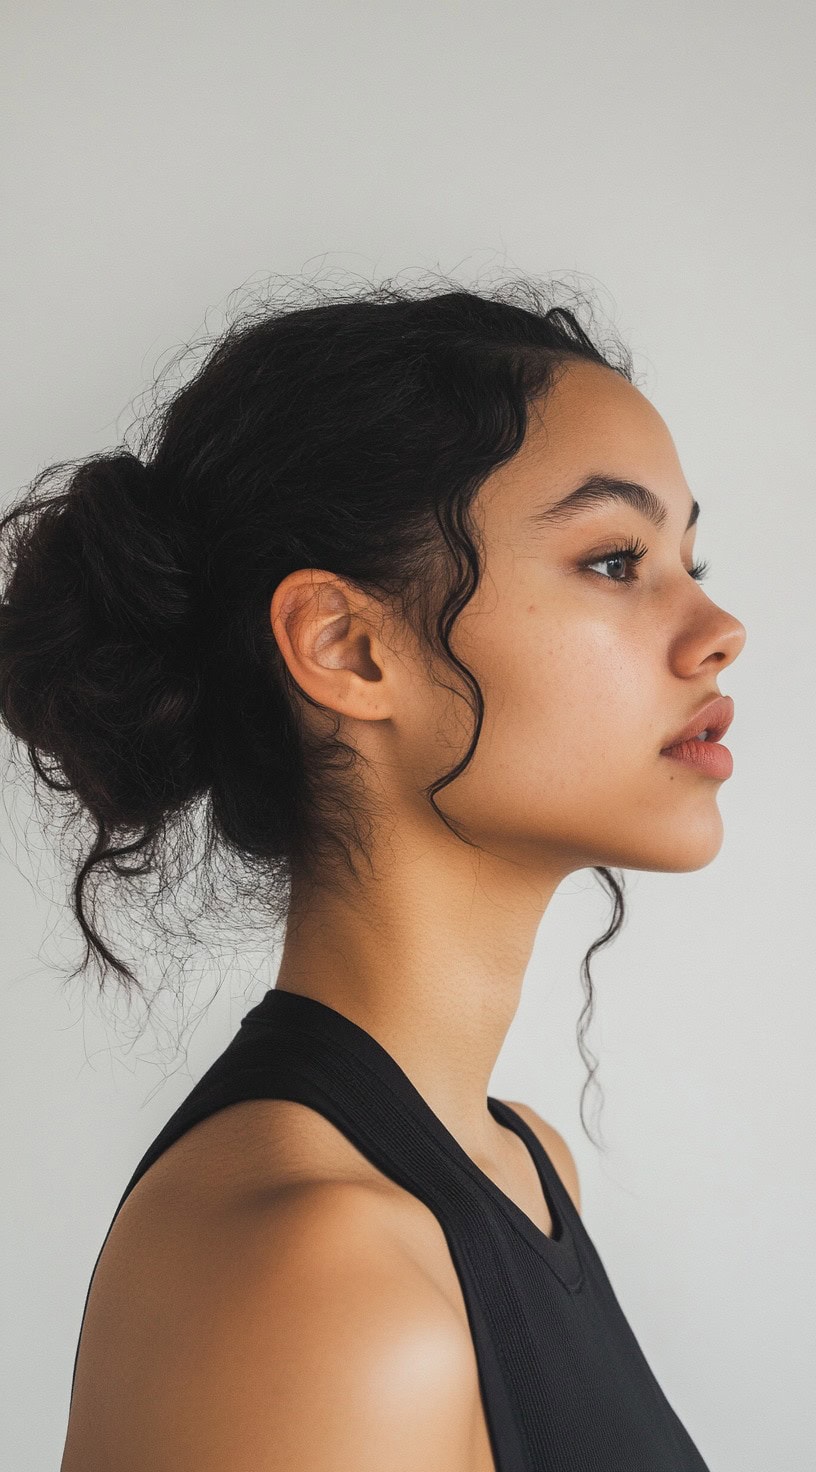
{"x":592,"y":421}
{"x":593,"y":414}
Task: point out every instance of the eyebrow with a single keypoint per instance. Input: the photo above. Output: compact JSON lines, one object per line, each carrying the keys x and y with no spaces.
{"x":599,"y":490}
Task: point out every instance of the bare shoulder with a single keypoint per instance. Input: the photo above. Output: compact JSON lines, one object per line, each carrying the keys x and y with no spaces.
{"x":555,"y":1146}
{"x":299,"y":1333}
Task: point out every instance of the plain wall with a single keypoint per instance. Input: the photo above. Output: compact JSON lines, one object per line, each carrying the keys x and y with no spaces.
{"x":159,"y":156}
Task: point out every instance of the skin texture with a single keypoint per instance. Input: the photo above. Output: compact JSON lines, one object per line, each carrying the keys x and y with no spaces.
{"x":584,"y":680}
{"x":266,"y":1299}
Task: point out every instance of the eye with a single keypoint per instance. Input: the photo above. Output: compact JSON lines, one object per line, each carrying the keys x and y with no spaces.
{"x":631,"y":553}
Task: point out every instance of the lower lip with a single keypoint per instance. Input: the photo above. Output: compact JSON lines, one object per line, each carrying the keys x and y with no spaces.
{"x":709,"y":757}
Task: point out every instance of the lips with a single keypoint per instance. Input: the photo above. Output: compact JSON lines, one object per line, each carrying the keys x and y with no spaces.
{"x":714,"y":717}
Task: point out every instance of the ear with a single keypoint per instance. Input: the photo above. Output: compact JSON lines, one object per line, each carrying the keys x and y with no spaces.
{"x":329,"y":634}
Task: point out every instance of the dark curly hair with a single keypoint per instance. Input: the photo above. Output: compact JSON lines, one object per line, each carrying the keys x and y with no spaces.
{"x":347,"y":431}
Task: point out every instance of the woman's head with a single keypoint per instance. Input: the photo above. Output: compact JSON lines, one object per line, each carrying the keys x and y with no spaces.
{"x":588,"y":667}
{"x":196,"y":623}
{"x":588,"y":663}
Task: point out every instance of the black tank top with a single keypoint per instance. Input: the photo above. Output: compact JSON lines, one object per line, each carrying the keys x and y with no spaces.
{"x":564,"y":1383}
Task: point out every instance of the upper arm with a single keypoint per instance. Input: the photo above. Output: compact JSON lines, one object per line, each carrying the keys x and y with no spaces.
{"x":323,"y":1349}
{"x":556,"y":1147}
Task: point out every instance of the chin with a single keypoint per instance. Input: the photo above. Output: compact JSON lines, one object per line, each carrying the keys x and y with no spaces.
{"x":680,"y":847}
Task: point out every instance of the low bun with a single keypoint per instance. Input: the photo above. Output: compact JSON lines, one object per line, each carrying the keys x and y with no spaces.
{"x":97,"y":672}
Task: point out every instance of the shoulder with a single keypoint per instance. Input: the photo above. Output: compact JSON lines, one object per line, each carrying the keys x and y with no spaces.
{"x":555,"y":1146}
{"x":298,"y":1333}
{"x":358,"y":1336}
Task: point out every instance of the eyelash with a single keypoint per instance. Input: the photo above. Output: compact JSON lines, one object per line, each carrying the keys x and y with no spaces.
{"x":633,"y":551}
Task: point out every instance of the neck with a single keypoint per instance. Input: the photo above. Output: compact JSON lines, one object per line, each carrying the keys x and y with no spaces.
{"x":429,"y":959}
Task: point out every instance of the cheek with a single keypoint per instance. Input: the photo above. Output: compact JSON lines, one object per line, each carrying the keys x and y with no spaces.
{"x":568,"y":706}
{"x":568,"y":754}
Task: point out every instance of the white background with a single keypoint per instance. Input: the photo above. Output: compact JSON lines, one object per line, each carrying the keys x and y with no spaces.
{"x":159,"y":156}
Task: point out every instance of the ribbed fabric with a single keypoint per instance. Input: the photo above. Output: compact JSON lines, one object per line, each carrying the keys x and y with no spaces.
{"x":565,"y":1385}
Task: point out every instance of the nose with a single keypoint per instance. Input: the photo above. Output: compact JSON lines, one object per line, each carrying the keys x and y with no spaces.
{"x":731,"y":640}
{"x":712,"y":637}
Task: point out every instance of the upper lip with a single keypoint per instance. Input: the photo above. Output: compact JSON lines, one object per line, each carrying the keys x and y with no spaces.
{"x":714,"y":717}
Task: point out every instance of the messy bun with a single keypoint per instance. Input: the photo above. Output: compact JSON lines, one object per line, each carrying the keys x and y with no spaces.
{"x":99,"y":669}
{"x":138,"y":665}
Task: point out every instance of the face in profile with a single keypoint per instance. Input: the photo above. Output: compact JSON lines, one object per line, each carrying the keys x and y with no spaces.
{"x":591,"y":659}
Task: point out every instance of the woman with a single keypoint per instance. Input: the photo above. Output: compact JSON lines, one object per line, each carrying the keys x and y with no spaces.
{"x":380,"y":551}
